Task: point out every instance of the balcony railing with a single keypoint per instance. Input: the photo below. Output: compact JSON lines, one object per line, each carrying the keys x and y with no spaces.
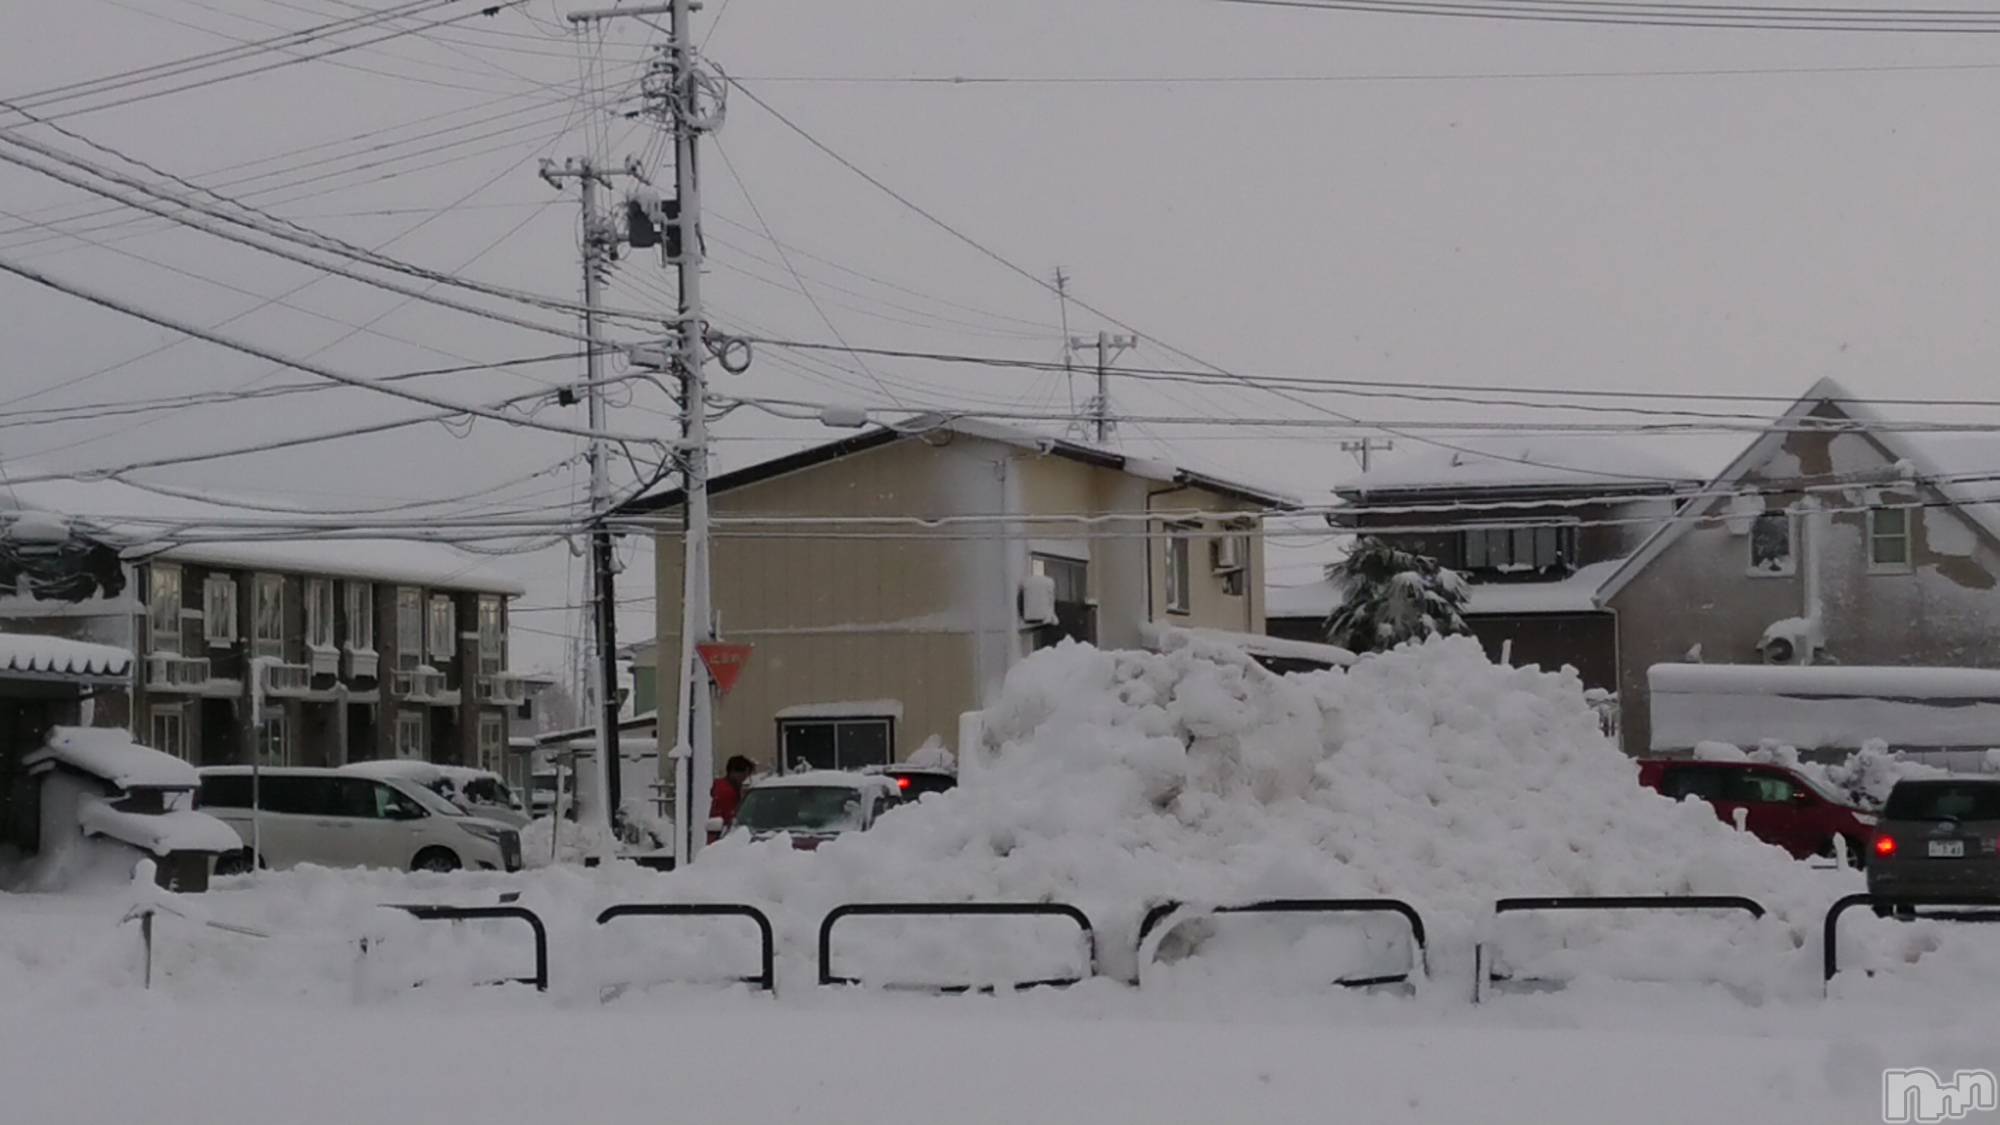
{"x":286,"y":679}
{"x":420,"y":683}
{"x":507,"y":689}
{"x":171,"y":671}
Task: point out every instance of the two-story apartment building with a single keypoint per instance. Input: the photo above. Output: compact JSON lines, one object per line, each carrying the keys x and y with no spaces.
{"x":307,"y":652}
{"x":1534,"y":524}
{"x":889,"y":580}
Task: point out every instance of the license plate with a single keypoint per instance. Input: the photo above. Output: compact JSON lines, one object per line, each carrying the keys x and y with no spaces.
{"x":1947,"y":849}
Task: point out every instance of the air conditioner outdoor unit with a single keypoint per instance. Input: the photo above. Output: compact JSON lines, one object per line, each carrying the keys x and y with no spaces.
{"x":1038,"y":600}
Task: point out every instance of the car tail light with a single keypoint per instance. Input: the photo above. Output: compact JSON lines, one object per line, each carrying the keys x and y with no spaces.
{"x":902,"y":783}
{"x":1885,"y":845}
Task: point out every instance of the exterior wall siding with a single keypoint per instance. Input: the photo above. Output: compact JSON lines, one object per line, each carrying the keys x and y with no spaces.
{"x":1942,"y":611}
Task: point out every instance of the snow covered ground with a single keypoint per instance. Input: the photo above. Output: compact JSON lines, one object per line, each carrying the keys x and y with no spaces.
{"x":1109,"y":780}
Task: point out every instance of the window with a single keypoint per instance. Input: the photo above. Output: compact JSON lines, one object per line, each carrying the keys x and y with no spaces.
{"x":319,"y":613}
{"x":360,"y":617}
{"x":1522,"y":549}
{"x":492,"y":638}
{"x":492,"y":742}
{"x":1771,"y":544}
{"x":1943,"y":800}
{"x":163,"y":608}
{"x":1748,"y":787}
{"x":409,"y":735}
{"x":166,"y":732}
{"x":1705,"y":782}
{"x":225,"y":791}
{"x":409,"y":628}
{"x":836,"y":744}
{"x":218,"y":600}
{"x":444,"y":627}
{"x":269,"y":609}
{"x":273,"y":741}
{"x":1179,"y":596}
{"x":1888,"y":539}
{"x":1074,"y":617}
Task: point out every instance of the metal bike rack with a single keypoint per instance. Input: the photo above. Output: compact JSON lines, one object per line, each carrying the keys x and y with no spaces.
{"x":1419,"y":947}
{"x":430,"y":913}
{"x":959,"y":909}
{"x":1830,"y":931}
{"x":1481,"y":976}
{"x":765,"y":979}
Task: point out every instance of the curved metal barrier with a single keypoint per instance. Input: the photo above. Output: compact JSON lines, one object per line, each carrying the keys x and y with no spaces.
{"x":1830,"y":930}
{"x":431,"y":913}
{"x":765,"y":979}
{"x":1419,"y":947}
{"x":1481,"y":976}
{"x":959,"y":909}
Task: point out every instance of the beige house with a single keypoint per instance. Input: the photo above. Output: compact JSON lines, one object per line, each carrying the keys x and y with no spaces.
{"x":872,"y":637}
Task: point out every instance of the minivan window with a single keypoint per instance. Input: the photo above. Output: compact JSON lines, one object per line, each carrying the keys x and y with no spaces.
{"x":1943,"y":800}
{"x":226,"y":791}
{"x":1704,"y":782}
{"x":423,"y":797}
{"x":1750,"y":787}
{"x":393,"y":804}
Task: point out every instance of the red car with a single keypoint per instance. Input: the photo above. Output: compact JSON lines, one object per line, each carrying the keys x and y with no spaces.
{"x":1782,"y":806}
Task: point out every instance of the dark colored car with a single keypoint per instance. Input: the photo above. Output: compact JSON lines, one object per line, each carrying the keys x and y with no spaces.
{"x":1780,"y":806}
{"x":1938,"y":837}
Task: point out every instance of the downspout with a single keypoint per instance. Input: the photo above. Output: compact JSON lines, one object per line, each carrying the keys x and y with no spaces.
{"x":1150,"y":494}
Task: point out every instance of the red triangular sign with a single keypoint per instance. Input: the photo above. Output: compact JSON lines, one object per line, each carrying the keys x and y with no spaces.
{"x":725,"y":663}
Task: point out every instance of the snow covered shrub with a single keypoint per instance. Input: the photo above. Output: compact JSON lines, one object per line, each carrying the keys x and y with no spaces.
{"x":1393,"y":596}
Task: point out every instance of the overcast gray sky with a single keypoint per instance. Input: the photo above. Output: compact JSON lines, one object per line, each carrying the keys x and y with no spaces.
{"x":1468,"y":202}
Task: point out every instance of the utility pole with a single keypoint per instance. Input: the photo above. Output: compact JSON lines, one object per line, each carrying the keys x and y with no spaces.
{"x":600,"y":239}
{"x":691,"y":101}
{"x":1109,"y":348}
{"x":1365,"y":446}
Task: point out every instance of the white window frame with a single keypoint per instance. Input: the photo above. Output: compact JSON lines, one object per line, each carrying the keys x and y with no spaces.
{"x":442,"y":627}
{"x":493,"y":741}
{"x":1180,"y":570}
{"x":319,"y":614}
{"x":1791,"y":566}
{"x":274,"y":739}
{"x":163,"y":608}
{"x":411,"y":723}
{"x":409,"y":628}
{"x":218,"y":610}
{"x":172,"y":717}
{"x":1906,"y":563}
{"x":360,"y":616}
{"x":267,"y":644}
{"x":492,"y":637}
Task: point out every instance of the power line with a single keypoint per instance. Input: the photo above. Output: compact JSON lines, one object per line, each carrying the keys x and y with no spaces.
{"x":1716,"y":17}
{"x":1323,"y":79}
{"x":392,"y":390}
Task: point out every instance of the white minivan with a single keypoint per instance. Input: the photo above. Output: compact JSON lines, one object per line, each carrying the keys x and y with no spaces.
{"x":339,"y":819}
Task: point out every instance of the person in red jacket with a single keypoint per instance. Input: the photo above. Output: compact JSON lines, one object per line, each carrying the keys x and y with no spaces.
{"x":727,"y":793}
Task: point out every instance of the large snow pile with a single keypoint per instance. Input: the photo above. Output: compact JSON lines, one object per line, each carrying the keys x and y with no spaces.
{"x":1118,"y":780}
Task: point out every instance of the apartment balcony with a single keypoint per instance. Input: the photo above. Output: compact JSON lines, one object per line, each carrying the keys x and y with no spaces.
{"x":423,"y":684}
{"x":286,"y":680}
{"x":360,"y":663}
{"x":169,"y":671}
{"x":505,"y":689}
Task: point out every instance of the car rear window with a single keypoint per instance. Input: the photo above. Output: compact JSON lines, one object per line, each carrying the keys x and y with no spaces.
{"x":800,"y":808}
{"x":1943,"y":800}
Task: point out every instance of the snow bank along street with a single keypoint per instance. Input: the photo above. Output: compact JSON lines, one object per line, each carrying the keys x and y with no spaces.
{"x":1113,"y":781}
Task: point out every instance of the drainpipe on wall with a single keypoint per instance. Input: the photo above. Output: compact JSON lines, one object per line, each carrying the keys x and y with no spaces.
{"x":1812,"y":524}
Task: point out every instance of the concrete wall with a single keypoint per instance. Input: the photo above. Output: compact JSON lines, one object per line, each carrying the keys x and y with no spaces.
{"x":1942,"y":610}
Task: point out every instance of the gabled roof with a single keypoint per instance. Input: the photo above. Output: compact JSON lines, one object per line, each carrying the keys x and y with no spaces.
{"x":913,"y":428}
{"x":1972,"y":502}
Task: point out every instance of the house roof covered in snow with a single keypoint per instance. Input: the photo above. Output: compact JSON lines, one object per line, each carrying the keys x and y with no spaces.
{"x":1932,"y":461}
{"x":24,"y":654}
{"x":1544,"y":463}
{"x":141,"y":520}
{"x":912,"y":429}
